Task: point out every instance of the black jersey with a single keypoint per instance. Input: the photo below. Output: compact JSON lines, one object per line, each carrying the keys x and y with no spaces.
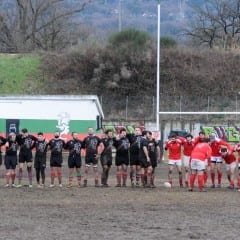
{"x":143,"y":143}
{"x":108,"y":144}
{"x":134,"y":143}
{"x":74,"y":146}
{"x":91,"y":143}
{"x":41,"y":147}
{"x":152,"y":149}
{"x":56,"y":146}
{"x":26,"y":143}
{"x":2,"y":142}
{"x":122,"y":145}
{"x":12,"y":149}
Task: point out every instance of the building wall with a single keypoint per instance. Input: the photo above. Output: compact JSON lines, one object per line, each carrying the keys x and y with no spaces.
{"x":48,"y":115}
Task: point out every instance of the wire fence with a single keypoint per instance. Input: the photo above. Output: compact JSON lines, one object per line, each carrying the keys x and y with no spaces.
{"x":132,"y":108}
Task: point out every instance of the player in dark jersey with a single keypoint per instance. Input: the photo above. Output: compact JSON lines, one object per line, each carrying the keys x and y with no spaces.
{"x":106,"y":156}
{"x":26,"y":143}
{"x":56,"y":146}
{"x":2,"y":142}
{"x":121,"y":143}
{"x":74,"y":158}
{"x":11,"y":159}
{"x":135,"y":167}
{"x":41,"y":146}
{"x":154,"y":153}
{"x":145,"y":161}
{"x":91,"y":143}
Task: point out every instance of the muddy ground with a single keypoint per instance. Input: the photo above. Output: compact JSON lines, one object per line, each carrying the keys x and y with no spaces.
{"x":119,"y":213}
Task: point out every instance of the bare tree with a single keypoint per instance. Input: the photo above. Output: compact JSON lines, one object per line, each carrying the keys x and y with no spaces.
{"x":217,"y":23}
{"x":37,"y":24}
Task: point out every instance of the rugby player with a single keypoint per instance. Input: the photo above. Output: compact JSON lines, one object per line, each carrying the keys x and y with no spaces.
{"x":74,"y":158}
{"x":91,"y":144}
{"x":41,"y":146}
{"x":122,"y":145}
{"x":173,"y":145}
{"x":11,"y":159}
{"x":106,"y":156}
{"x":216,"y":159}
{"x":200,"y":153}
{"x":26,"y":143}
{"x":135,"y":167}
{"x":56,"y":146}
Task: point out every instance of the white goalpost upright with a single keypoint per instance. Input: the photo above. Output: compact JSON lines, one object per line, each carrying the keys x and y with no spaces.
{"x":199,"y":113}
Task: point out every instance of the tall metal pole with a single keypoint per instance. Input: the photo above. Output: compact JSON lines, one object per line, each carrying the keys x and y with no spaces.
{"x":158,"y":67}
{"x":120,"y":15}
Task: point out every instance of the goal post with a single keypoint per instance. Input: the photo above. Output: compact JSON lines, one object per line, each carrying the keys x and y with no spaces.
{"x":199,"y":113}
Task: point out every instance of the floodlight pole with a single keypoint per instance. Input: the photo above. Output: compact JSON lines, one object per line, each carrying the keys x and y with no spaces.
{"x":158,"y":66}
{"x":119,"y":15}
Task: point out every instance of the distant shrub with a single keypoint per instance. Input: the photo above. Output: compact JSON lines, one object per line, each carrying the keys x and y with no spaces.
{"x":131,"y":38}
{"x":168,"y":42}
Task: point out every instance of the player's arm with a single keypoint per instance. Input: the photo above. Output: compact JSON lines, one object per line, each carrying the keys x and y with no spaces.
{"x":63,"y":144}
{"x":158,"y":153}
{"x":84,"y":143}
{"x":50,"y":145}
{"x":34,"y":139}
{"x":166,"y":146}
{"x":209,"y":153}
{"x":182,"y":139}
{"x":7,"y":145}
{"x":145,"y":150}
{"x":229,"y":147}
{"x":100,"y":148}
{"x":2,"y":141}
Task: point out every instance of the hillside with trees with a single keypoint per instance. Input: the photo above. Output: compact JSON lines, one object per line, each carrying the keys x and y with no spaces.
{"x":121,"y":69}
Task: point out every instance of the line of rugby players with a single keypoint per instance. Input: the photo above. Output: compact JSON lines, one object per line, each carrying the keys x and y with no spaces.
{"x":202,"y":155}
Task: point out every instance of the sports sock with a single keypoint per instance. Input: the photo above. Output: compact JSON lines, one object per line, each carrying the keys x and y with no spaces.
{"x":200,"y":182}
{"x":213,"y":178}
{"x":219,"y":177}
{"x":192,"y":180}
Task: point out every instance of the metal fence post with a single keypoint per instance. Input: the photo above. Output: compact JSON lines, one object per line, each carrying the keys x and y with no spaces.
{"x":153,"y":108}
{"x":126,"y":117}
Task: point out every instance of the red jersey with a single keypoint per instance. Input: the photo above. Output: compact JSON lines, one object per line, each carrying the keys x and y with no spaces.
{"x":237,"y":149}
{"x":202,"y":151}
{"x":229,"y":158}
{"x":188,"y":147}
{"x":174,"y":149}
{"x":216,"y":147}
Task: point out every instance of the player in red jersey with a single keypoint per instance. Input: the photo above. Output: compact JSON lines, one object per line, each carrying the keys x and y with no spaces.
{"x":200,"y":153}
{"x":173,"y":146}
{"x":216,"y":159}
{"x":237,"y":148}
{"x":202,"y":138}
{"x":188,"y":145}
{"x":230,"y":162}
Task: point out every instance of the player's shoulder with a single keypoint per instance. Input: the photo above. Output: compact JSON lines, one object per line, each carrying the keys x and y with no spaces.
{"x":32,"y":137}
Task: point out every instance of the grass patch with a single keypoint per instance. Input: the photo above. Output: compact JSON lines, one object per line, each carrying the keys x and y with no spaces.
{"x":15,"y":72}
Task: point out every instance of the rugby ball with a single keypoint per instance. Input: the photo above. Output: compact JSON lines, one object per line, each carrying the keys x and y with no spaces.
{"x":167,"y":185}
